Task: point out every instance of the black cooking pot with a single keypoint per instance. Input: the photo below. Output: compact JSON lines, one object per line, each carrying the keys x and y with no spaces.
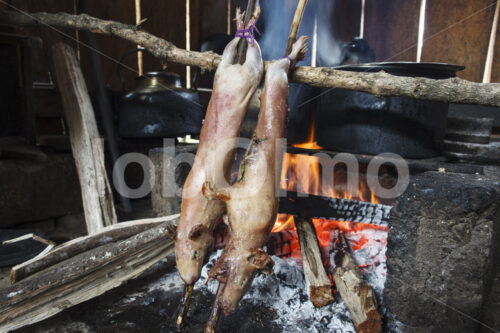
{"x":159,"y":107}
{"x":361,"y":123}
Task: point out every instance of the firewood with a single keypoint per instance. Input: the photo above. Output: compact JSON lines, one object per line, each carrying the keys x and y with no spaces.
{"x":79,"y":245}
{"x":317,"y":281}
{"x":82,"y":277}
{"x":356,"y":293}
{"x":315,"y":206}
{"x":86,"y":145}
{"x":453,"y":90}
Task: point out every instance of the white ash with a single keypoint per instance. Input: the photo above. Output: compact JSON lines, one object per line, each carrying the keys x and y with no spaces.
{"x":285,"y":289}
{"x":371,"y":257}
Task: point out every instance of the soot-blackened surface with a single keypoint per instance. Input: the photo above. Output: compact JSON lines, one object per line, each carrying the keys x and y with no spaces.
{"x":134,"y":307}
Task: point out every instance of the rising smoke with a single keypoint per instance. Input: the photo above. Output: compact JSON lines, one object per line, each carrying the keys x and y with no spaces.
{"x":277,"y":16}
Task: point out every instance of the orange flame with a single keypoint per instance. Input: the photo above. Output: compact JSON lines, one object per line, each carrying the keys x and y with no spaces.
{"x":303,"y":173}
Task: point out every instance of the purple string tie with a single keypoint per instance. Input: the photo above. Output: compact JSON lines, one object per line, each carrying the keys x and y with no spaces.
{"x":248,"y":33}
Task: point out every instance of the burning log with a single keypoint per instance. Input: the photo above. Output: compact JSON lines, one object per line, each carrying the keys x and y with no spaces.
{"x":314,"y":206}
{"x":84,"y":276}
{"x":356,"y":293}
{"x":317,"y":281}
{"x":452,"y":90}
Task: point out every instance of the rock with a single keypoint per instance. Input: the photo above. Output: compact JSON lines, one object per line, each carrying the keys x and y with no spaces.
{"x":440,"y":252}
{"x":169,"y":177}
{"x":37,"y":190}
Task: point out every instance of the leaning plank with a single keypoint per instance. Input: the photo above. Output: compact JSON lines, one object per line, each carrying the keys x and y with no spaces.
{"x":318,"y":283}
{"x":79,"y":245}
{"x":452,"y":90}
{"x":83,"y":277}
{"x":86,"y":145}
{"x":356,"y":293}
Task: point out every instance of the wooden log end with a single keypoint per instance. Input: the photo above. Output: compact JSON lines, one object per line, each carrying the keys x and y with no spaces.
{"x":321,"y":295}
{"x":12,"y":276}
{"x":372,"y":324}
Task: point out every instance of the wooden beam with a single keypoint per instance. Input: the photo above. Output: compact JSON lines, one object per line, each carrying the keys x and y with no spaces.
{"x":86,"y":144}
{"x":79,"y":245}
{"x":317,"y":281}
{"x":82,"y":277}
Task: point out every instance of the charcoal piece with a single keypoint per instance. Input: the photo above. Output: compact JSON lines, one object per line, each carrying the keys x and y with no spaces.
{"x":440,"y":252}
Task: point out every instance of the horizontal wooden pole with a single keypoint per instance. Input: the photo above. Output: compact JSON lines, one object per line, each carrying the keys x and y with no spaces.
{"x":452,"y":90}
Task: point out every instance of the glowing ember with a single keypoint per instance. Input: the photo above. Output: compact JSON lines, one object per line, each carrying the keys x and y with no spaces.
{"x":325,"y":229}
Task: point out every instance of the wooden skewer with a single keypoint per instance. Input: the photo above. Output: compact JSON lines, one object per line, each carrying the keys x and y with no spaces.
{"x":242,"y":45}
{"x":184,"y":306}
{"x":297,"y":18}
{"x":213,"y":319}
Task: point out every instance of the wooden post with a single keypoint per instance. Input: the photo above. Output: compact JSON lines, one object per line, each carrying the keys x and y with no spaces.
{"x":86,"y":144}
{"x":318,"y":283}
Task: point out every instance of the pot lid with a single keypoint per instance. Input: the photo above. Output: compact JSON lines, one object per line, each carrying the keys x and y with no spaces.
{"x":431,"y":70}
{"x":165,"y":78}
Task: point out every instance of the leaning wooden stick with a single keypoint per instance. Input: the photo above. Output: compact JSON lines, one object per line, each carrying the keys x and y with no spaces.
{"x":452,"y":90}
{"x":86,"y":144}
{"x":318,"y":283}
{"x":294,"y":28}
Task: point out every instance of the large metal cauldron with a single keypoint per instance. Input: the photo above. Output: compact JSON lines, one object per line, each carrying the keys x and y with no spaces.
{"x":358,"y":122}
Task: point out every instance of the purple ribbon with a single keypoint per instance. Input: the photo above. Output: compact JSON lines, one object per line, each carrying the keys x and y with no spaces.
{"x":248,"y":33}
{"x":287,"y":57}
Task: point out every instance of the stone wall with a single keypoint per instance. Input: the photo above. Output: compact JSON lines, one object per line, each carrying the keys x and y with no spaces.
{"x":440,"y":255}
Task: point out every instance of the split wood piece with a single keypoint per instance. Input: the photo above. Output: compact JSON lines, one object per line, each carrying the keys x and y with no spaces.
{"x":242,"y":44}
{"x":86,"y":145}
{"x":453,"y":90}
{"x":83,"y":277}
{"x":29,"y":236}
{"x":315,"y":206}
{"x":317,"y":281}
{"x":294,"y":28}
{"x":356,"y":293}
{"x":79,"y":245}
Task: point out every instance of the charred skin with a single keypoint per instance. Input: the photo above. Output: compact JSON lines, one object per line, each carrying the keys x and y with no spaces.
{"x":251,"y":203}
{"x":234,"y":85}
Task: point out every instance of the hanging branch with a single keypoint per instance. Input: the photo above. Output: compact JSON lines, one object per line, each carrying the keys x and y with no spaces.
{"x":452,"y":90}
